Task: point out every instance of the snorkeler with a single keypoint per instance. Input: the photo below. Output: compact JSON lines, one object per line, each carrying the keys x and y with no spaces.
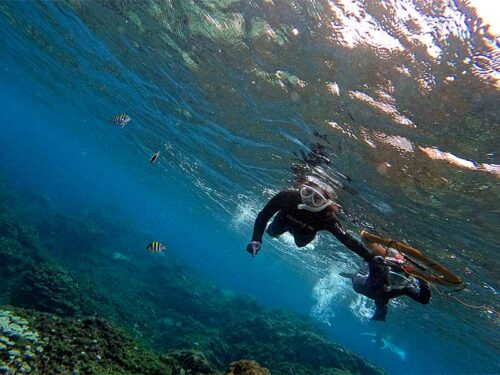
{"x":303,"y":213}
{"x":386,"y":280}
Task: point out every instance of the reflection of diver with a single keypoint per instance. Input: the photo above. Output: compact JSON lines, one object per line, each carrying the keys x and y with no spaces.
{"x":383,"y":343}
{"x":386,"y":280}
{"x":317,"y":156}
{"x":303,"y":213}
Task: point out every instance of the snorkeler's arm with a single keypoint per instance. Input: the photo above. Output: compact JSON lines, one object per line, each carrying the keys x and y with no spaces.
{"x":348,"y":240}
{"x":278,"y":202}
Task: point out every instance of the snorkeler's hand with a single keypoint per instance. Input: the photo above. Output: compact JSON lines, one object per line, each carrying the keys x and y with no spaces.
{"x":254,"y":247}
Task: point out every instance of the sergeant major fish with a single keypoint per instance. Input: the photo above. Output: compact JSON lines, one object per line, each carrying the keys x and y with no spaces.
{"x":121,"y":119}
{"x":156,"y":247}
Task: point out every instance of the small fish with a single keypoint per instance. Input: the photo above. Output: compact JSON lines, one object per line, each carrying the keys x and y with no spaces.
{"x":153,"y":157}
{"x":122,"y":119}
{"x":156,"y":247}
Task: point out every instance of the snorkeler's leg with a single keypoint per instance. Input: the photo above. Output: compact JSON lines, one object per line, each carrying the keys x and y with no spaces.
{"x":380,"y":309}
{"x":359,"y":284}
{"x":422,"y":294}
{"x":278,"y":225}
{"x":378,"y":268}
{"x":303,"y":240}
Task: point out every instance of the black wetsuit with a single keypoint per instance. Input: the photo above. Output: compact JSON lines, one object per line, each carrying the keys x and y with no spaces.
{"x":301,"y":223}
{"x":373,"y":286}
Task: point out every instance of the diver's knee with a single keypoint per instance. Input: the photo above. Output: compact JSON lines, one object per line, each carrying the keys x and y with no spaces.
{"x":301,"y":242}
{"x":272,"y":233}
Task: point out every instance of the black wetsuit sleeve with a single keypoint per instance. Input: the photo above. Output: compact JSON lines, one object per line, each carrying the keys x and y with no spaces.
{"x":278,"y":202}
{"x":422,"y":294}
{"x":348,"y":240}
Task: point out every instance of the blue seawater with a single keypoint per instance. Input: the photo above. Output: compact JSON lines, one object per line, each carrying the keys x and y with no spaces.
{"x":394,"y":104}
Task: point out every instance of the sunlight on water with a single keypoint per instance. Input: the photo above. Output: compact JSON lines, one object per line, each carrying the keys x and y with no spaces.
{"x":488,"y":10}
{"x":436,"y":154}
{"x":362,"y":308}
{"x":245,"y":215}
{"x":329,"y":292}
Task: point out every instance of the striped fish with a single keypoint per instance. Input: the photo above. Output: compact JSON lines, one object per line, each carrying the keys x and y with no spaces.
{"x":153,"y":157}
{"x":156,"y":247}
{"x":121,"y":119}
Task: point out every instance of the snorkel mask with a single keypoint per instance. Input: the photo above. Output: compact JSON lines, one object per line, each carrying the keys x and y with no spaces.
{"x":312,"y":199}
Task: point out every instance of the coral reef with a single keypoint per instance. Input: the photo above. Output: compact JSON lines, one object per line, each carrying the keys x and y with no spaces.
{"x":90,"y":346}
{"x":195,"y":362}
{"x":77,"y":301}
{"x":246,"y":367}
{"x":20,"y":249}
{"x":54,"y":288}
{"x":18,"y":344}
{"x":43,"y":343}
{"x":287,"y":344}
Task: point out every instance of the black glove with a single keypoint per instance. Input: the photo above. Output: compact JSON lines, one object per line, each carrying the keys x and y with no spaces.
{"x":254,"y":247}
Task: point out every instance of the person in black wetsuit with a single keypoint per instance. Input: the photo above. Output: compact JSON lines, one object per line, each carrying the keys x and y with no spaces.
{"x":311,"y":209}
{"x":377,"y":287}
{"x":303,"y":213}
